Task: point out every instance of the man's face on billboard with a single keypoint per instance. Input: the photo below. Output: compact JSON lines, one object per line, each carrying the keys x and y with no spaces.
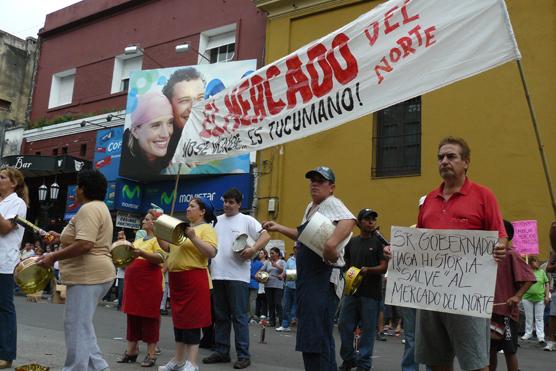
{"x":185,"y":94}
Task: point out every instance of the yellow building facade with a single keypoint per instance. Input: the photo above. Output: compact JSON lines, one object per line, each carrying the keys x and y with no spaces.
{"x":488,"y":110}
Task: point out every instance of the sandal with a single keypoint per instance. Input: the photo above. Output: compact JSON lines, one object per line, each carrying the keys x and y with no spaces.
{"x":128,"y":358}
{"x":148,"y":361}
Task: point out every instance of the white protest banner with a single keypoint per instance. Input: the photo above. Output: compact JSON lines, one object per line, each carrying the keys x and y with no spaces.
{"x":399,"y":50}
{"x":442,"y":270}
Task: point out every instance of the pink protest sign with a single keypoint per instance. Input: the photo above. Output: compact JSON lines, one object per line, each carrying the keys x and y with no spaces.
{"x":526,"y":238}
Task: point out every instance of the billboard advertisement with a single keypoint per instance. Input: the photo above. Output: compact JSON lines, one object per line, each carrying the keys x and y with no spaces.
{"x":159,"y":103}
{"x":128,"y":195}
{"x":72,"y":206}
{"x":162,"y":194}
{"x":107,"y":152}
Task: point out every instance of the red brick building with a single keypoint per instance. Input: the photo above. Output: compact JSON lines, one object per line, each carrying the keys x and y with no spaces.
{"x":83,"y":72}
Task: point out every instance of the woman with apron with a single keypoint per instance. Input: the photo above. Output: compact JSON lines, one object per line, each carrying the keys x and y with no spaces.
{"x":318,"y":281}
{"x":142,"y":295}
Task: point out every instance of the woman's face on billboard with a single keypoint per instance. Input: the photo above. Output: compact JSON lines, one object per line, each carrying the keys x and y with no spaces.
{"x":153,"y":137}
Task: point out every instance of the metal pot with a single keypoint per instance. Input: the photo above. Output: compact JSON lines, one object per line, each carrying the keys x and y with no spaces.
{"x":262,"y":276}
{"x":31,"y":277}
{"x":353,"y":280}
{"x":121,"y":253}
{"x":171,"y":229}
{"x":241,"y":243}
{"x":291,"y":274}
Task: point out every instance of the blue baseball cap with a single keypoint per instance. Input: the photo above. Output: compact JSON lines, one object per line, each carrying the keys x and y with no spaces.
{"x":323,"y":171}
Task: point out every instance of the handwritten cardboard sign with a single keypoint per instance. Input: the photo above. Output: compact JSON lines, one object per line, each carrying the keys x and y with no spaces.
{"x":444,"y":270}
{"x":526,"y":238}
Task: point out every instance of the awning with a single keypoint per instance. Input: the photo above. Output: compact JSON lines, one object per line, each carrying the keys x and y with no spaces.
{"x":37,"y":166}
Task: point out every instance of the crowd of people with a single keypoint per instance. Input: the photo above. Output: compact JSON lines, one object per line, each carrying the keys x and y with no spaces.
{"x":211,"y":286}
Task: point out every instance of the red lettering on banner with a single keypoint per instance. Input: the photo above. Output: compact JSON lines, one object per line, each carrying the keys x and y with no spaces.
{"x":297,"y":82}
{"x":233,"y":107}
{"x":350,"y":72}
{"x":429,"y":36}
{"x":372,"y":32}
{"x":395,"y":54}
{"x":372,"y":38}
{"x":415,"y":32}
{"x":387,"y":16}
{"x":257,"y":97}
{"x":210,"y":119}
{"x":274,"y":106}
{"x":405,"y":43}
{"x":318,"y":53}
{"x":407,"y":18}
{"x":245,"y":106}
{"x":386,"y":67}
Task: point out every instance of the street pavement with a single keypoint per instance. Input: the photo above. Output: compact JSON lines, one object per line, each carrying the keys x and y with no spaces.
{"x":41,"y":340}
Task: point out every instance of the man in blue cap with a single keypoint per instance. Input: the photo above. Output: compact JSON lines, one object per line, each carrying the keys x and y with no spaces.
{"x":361,"y":308}
{"x":318,"y":282}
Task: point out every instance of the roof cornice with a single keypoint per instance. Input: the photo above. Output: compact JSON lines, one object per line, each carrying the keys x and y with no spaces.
{"x":93,"y":123}
{"x":279,"y":8}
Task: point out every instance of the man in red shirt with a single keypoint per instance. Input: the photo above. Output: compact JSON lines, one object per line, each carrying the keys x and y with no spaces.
{"x":458,"y":203}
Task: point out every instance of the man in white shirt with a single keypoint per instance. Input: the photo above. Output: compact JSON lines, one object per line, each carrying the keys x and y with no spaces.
{"x":27,"y":251}
{"x":230,"y":278}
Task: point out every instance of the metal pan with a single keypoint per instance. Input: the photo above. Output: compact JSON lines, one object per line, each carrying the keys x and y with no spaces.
{"x":31,"y":277}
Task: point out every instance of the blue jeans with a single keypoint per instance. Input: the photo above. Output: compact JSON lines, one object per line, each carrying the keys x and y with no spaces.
{"x":356,"y":311}
{"x":231,"y":306}
{"x":408,"y":359}
{"x":290,"y":306}
{"x":8,"y":323}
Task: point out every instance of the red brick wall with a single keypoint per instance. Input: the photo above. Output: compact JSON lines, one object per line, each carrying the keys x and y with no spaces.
{"x":77,"y":38}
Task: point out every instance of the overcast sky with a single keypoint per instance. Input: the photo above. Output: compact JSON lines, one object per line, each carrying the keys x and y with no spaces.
{"x":24,"y":18}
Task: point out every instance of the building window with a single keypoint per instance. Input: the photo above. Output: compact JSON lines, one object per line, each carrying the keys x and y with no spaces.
{"x":397,"y":140}
{"x":83,"y":150}
{"x":38,"y":153}
{"x":5,"y":105}
{"x":65,"y":150}
{"x":218,"y":44}
{"x":124,"y":66}
{"x":223,"y":53}
{"x":61,"y":89}
{"x":55,"y":152}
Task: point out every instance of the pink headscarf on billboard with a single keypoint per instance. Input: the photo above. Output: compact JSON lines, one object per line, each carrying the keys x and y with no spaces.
{"x":151,"y":106}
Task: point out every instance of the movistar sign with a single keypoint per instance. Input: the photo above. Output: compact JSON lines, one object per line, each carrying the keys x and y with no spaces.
{"x":129,"y":195}
{"x":131,"y":192}
{"x":166,"y":199}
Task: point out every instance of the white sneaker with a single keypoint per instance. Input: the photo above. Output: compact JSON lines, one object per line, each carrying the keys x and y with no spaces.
{"x":550,"y":346}
{"x":283,"y":329}
{"x":173,"y":366}
{"x":526,"y":337}
{"x":189,"y":367}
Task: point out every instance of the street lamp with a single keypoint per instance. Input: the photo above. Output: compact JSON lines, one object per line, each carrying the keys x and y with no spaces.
{"x":54,"y":190}
{"x":42,"y":193}
{"x":184,"y":48}
{"x":137,"y":50}
{"x":46,"y":202}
